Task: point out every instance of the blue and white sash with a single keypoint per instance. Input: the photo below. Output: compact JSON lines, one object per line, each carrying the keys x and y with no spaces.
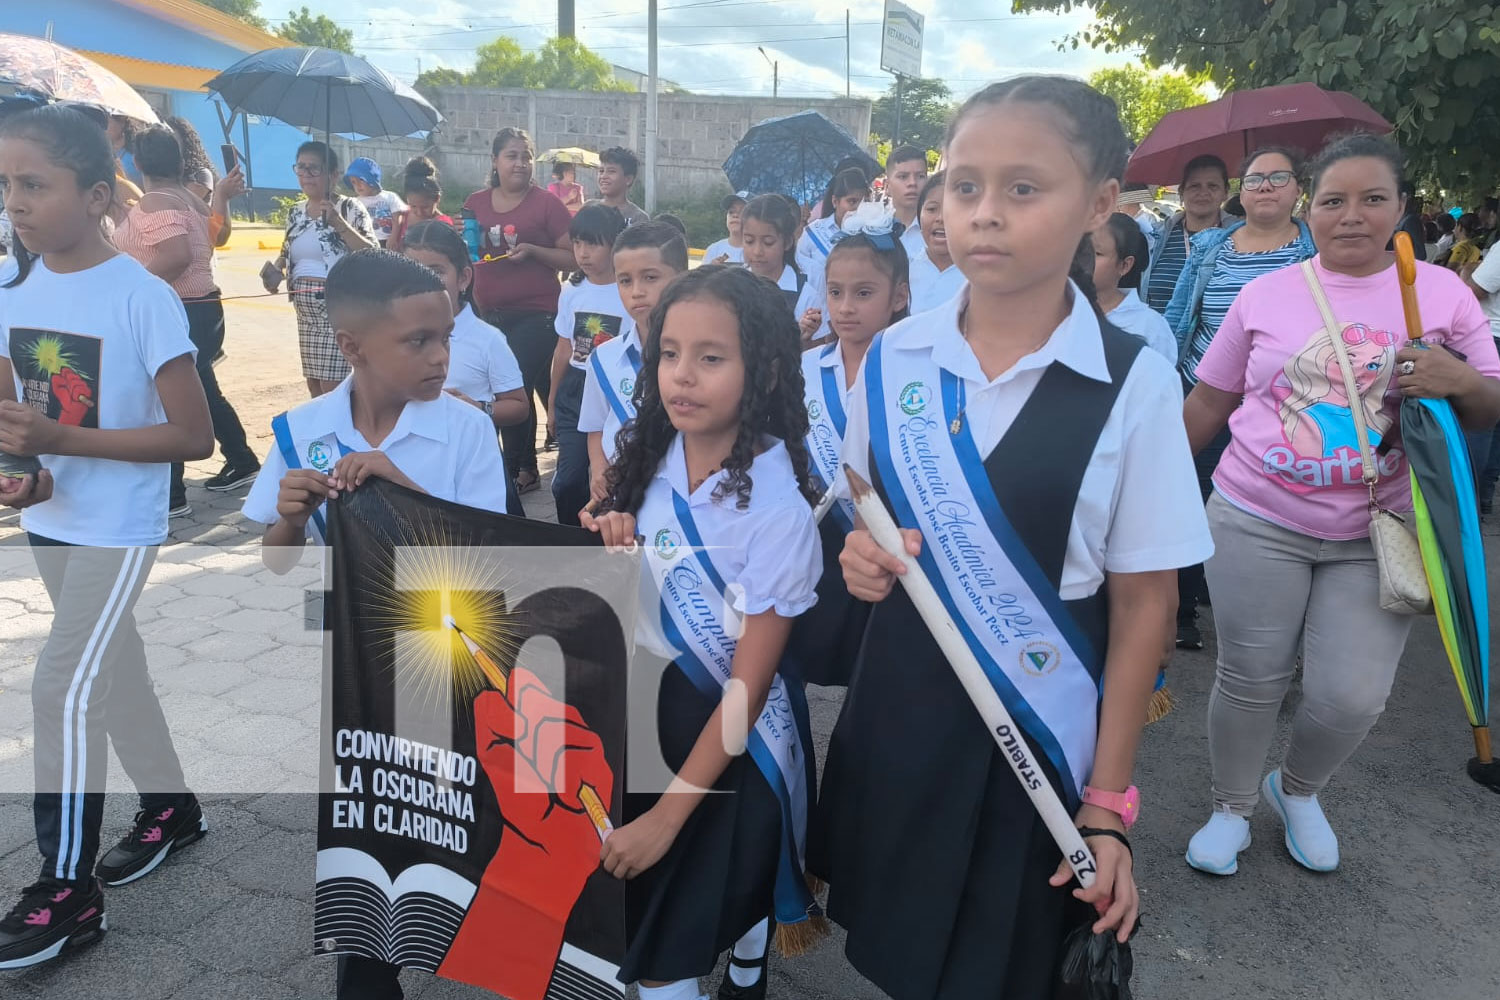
{"x":826,"y":421}
{"x":819,"y":244}
{"x":321,"y":453}
{"x":699,"y":621}
{"x":615,"y":370}
{"x":1040,"y":662}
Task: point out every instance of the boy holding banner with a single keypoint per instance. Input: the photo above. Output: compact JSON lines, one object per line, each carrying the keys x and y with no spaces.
{"x":390,"y":419}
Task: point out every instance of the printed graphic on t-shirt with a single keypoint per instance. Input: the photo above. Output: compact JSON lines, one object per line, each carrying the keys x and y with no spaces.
{"x":1319,"y":445}
{"x":59,"y":374}
{"x":590,"y":329}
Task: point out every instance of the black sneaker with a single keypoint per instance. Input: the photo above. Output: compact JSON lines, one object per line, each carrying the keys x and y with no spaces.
{"x":153,"y":836}
{"x":178,"y":508}
{"x":50,"y":918}
{"x":232,"y":477}
{"x":1188,"y":636}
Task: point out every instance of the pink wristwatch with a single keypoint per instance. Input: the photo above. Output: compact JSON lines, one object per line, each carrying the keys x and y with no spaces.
{"x":1127,"y":803}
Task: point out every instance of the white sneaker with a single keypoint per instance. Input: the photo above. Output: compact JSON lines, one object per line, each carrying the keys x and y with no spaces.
{"x":1216,"y":847}
{"x":1310,"y":840}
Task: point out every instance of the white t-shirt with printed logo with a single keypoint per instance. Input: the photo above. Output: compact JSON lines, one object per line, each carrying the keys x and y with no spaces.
{"x":588,"y":315}
{"x":480,"y":362}
{"x":85,"y":349}
{"x":383,"y":207}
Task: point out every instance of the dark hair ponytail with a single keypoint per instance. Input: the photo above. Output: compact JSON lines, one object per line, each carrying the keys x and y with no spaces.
{"x":1081,"y":273}
{"x":439,"y":237}
{"x":779,"y":212}
{"x":158,"y":153}
{"x":1086,"y":118}
{"x":71,"y":140}
{"x":421,"y":177}
{"x":1129,"y":242}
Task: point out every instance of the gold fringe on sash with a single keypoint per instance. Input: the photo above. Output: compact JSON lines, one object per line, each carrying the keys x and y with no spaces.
{"x":1160,"y":705}
{"x":796,"y":940}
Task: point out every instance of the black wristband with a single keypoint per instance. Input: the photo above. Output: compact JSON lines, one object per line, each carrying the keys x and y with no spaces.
{"x":1093,"y":831}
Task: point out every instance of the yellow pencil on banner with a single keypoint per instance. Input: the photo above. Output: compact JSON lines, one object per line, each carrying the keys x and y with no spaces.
{"x":498,"y":679}
{"x":1406,"y":271}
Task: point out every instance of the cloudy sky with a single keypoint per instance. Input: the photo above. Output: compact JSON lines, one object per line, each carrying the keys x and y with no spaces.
{"x":710,"y":46}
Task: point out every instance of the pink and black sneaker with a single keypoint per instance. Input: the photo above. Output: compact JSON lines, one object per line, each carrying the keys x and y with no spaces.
{"x":52,"y":917}
{"x":155,"y":834}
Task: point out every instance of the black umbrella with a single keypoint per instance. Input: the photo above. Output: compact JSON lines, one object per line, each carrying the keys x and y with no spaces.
{"x":312,"y":88}
{"x":794,"y":155}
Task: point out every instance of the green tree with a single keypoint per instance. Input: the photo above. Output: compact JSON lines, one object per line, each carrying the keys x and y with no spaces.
{"x":566,"y":64}
{"x":560,"y":64}
{"x":305,"y":28}
{"x":1432,"y":67}
{"x":926,"y":106}
{"x":246,"y":10}
{"x":431,"y":79}
{"x":1144,"y":97}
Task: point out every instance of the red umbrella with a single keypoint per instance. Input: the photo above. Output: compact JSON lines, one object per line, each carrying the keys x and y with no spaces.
{"x":1300,"y":115}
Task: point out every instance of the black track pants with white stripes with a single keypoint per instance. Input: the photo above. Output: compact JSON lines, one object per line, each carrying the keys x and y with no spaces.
{"x":91,"y":688}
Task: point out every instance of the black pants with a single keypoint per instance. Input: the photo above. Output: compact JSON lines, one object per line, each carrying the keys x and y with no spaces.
{"x":570,"y":482}
{"x":532,"y":340}
{"x":92,"y":688}
{"x":362,"y":978}
{"x":1191,"y":586}
{"x":206,"y":331}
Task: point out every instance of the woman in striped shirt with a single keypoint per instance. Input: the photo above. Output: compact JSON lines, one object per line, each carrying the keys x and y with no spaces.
{"x":1220,"y":263}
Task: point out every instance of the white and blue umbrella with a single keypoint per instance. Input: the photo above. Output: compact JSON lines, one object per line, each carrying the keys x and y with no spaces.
{"x":794,"y":155}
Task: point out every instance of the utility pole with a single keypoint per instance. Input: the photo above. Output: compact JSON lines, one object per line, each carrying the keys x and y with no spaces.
{"x":565,"y":18}
{"x":651,"y":122}
{"x":846,"y":53}
{"x":775,"y":72}
{"x":897,"y":140}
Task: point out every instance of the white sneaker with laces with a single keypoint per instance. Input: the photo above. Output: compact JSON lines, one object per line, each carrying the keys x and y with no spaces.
{"x":1310,"y":840}
{"x":1215,"y":848}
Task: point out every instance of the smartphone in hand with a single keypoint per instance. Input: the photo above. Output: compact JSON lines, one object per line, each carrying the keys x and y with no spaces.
{"x":231,"y":157}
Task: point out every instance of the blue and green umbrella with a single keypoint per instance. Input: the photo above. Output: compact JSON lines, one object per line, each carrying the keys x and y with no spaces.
{"x":1447,"y":519}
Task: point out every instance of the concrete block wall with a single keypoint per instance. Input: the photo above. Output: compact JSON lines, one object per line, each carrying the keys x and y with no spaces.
{"x":695,"y":133}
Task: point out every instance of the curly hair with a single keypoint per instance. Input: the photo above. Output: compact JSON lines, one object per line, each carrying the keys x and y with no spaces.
{"x":772,"y":402}
{"x":194,"y":157}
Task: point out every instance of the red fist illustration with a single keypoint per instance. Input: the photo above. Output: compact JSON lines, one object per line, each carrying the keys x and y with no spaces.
{"x":538,"y":754}
{"x":74,"y":397}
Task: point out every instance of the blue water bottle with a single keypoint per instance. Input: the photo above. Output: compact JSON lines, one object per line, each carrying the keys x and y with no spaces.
{"x":471,"y":233}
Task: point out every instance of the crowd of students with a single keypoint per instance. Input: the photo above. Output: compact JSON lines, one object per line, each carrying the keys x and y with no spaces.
{"x":1000,"y":315}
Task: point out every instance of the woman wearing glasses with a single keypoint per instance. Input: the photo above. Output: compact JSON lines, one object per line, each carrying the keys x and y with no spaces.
{"x":1293,"y":569}
{"x":319,"y":231}
{"x":1220,"y":263}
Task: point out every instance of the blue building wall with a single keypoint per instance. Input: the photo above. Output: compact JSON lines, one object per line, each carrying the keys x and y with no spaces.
{"x":101,"y":26}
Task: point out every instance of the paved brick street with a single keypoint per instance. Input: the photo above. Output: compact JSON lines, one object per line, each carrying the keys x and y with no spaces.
{"x":1410,"y":913}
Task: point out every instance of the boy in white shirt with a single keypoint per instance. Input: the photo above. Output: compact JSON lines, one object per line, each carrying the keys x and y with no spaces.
{"x":731,"y":250}
{"x":905,"y":174}
{"x":390,"y":418}
{"x":363,"y":178}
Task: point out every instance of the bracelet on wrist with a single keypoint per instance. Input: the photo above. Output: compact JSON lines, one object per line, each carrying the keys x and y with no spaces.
{"x":1094,"y":831}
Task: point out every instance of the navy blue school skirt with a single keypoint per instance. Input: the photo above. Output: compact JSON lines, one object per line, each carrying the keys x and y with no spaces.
{"x":937,"y":863}
{"x":716,"y":881}
{"x":825,"y":638}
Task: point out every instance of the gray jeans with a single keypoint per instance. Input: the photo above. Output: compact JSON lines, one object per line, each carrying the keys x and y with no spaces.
{"x":1275,"y":590}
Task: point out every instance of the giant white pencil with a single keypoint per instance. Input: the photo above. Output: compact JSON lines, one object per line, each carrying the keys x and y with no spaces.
{"x":1008,"y":736}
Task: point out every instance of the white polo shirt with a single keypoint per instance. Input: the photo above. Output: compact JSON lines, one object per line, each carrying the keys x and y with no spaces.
{"x":1139,"y":508}
{"x":1135,"y":317}
{"x":930,"y":287}
{"x":444,"y":445}
{"x":480,"y":362}
{"x":769,"y":554}
{"x":595,"y":413}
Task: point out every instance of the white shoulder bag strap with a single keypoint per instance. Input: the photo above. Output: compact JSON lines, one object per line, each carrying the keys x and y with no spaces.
{"x":1351,"y":387}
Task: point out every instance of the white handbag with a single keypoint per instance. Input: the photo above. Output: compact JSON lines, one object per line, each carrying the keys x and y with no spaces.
{"x":1403,"y":581}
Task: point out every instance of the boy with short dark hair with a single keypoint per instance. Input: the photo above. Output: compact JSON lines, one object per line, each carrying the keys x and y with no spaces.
{"x":390,"y":418}
{"x":646,"y":258}
{"x":618,"y":168}
{"x":905,"y":173}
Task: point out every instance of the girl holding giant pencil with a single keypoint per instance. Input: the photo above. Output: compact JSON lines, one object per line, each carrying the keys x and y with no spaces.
{"x":1036,"y":457}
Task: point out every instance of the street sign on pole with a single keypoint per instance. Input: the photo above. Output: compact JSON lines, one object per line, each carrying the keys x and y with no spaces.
{"x":901,"y":40}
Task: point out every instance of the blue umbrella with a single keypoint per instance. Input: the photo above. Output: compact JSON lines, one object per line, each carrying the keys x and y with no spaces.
{"x":794,"y":155}
{"x":312,"y":88}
